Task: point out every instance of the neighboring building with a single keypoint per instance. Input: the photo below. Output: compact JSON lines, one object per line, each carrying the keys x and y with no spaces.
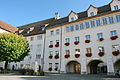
{"x":6,"y":28}
{"x":87,"y":42}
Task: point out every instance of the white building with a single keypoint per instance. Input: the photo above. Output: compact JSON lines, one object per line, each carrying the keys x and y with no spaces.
{"x":84,"y":43}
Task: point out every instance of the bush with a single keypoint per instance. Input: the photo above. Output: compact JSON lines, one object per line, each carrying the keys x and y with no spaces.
{"x":26,"y":71}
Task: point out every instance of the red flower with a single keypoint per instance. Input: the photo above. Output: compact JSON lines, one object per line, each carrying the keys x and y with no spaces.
{"x":50,"y":56}
{"x":88,"y":54}
{"x":76,"y":42}
{"x":67,"y":44}
{"x":115,"y":53}
{"x":50,"y":69}
{"x":113,"y":37}
{"x":56,"y":56}
{"x":56,"y":45}
{"x":101,"y":54}
{"x":67,"y":56}
{"x":50,"y":46}
{"x":87,"y":41}
{"x":101,"y":39}
{"x":77,"y":55}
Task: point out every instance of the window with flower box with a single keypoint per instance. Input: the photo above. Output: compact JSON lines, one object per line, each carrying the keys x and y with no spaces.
{"x":77,"y":53}
{"x":56,"y":66}
{"x":113,"y":35}
{"x":101,"y":51}
{"x":56,"y":55}
{"x":115,"y":49}
{"x":87,"y":39}
{"x":77,"y":40}
{"x":57,"y":43}
{"x":100,"y":36}
{"x":51,"y":44}
{"x":50,"y":54}
{"x":67,"y":41}
{"x":89,"y":52}
{"x":67,"y":53}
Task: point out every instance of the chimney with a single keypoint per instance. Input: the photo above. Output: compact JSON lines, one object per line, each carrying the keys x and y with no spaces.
{"x":57,"y":16}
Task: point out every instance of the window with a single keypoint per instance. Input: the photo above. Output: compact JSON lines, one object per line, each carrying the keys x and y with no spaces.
{"x":51,"y":52}
{"x":100,"y":35}
{"x":72,"y":19}
{"x":57,"y":41}
{"x":31,"y":38}
{"x":38,"y":47}
{"x":50,"y":65}
{"x":87,"y":24}
{"x":92,"y":23}
{"x":118,"y":18}
{"x":77,"y":51}
{"x":87,"y":37}
{"x":67,"y":40}
{"x":101,"y":49}
{"x":111,"y":20}
{"x":56,"y":65}
{"x":67,"y":29}
{"x":113,"y":33}
{"x":39,"y":37}
{"x":57,"y":31}
{"x":116,"y":7}
{"x":98,"y":22}
{"x":104,"y":21}
{"x":57,"y":52}
{"x":81,"y":26}
{"x":71,"y":28}
{"x":52,"y":32}
{"x":115,"y":47}
{"x":67,"y":52}
{"x":92,"y":14}
{"x":51,"y":42}
{"x":77,"y":39}
{"x":38,"y":56}
{"x":76,"y":27}
{"x":88,"y":50}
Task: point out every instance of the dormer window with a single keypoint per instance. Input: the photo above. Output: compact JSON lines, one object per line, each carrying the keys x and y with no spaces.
{"x":72,"y":19}
{"x":116,"y":7}
{"x":92,"y":13}
{"x":72,"y":16}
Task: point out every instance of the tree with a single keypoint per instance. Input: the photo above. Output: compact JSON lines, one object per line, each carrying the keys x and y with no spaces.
{"x":13,"y":48}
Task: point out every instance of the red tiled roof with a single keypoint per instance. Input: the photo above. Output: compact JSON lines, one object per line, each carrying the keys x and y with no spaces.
{"x":7,"y":27}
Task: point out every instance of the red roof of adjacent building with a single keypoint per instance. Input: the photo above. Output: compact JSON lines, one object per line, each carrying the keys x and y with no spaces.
{"x":7,"y":27}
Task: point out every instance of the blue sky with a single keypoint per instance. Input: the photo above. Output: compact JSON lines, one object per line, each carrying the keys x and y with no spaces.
{"x":21,"y":12}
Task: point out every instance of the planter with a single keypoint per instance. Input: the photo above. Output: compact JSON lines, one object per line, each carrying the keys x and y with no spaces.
{"x":76,"y":42}
{"x":101,"y":54}
{"x":101,"y":39}
{"x":115,"y":53}
{"x":87,"y":41}
{"x":50,"y":46}
{"x":77,"y":55}
{"x":88,"y":54}
{"x":50,"y":57}
{"x":113,"y":37}
{"x":67,"y":56}
{"x":56,"y":69}
{"x":67,"y":44}
{"x":56,"y":57}
{"x":50,"y":69}
{"x":56,"y":45}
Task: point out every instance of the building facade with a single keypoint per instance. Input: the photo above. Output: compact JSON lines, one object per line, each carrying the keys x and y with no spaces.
{"x":86,"y":43}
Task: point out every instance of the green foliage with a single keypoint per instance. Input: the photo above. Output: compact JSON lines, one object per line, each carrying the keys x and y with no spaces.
{"x":13,"y":47}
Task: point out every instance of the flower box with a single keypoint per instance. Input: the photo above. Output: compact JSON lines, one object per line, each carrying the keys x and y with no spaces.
{"x":67,"y":56}
{"x":50,"y":69}
{"x":56,"y":45}
{"x":101,"y":39}
{"x":77,"y":55}
{"x":67,"y":44}
{"x":50,"y":56}
{"x":88,"y":54}
{"x":101,"y":54}
{"x":113,"y":37}
{"x":115,"y":53}
{"x":50,"y":46}
{"x":87,"y":41}
{"x":56,"y":56}
{"x":56,"y":69}
{"x":76,"y":42}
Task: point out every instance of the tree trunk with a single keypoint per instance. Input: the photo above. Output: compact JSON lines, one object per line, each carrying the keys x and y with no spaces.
{"x":5,"y":67}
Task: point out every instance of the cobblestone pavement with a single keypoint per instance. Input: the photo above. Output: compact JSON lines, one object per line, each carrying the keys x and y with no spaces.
{"x":57,"y":77}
